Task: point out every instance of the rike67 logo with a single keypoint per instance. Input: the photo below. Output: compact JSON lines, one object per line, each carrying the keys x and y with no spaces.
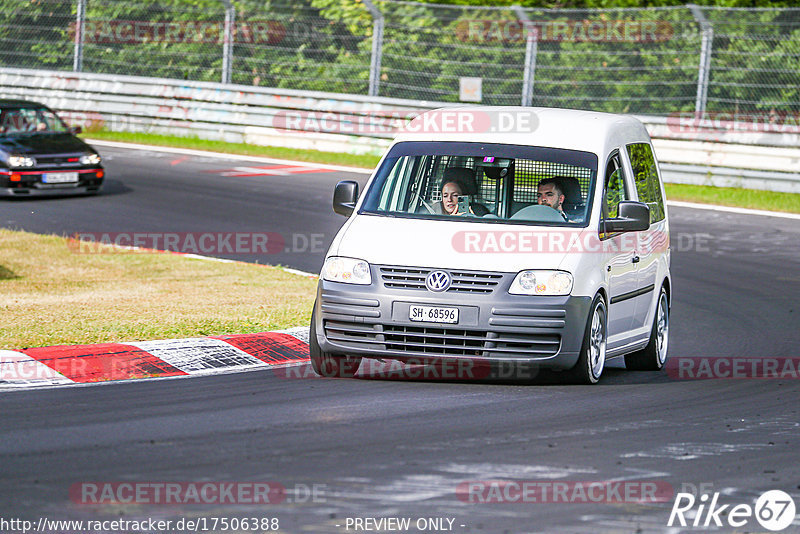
{"x":774,"y":510}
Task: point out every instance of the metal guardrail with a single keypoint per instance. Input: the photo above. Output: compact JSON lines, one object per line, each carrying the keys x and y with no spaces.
{"x":751,"y":156}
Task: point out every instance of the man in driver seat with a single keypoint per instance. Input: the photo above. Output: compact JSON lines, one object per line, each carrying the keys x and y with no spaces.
{"x":551,"y":193}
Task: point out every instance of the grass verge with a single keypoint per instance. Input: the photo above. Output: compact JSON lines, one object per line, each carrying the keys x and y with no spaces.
{"x":725,"y":196}
{"x":51,"y":295}
{"x":730,"y":196}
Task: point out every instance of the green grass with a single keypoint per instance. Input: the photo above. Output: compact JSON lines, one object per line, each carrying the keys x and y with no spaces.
{"x":52,"y":293}
{"x":730,"y":196}
{"x":726,"y":196}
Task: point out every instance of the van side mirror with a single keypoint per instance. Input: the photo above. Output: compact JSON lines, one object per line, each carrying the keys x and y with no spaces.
{"x":75,"y":130}
{"x":633,"y":217}
{"x":344,"y":197}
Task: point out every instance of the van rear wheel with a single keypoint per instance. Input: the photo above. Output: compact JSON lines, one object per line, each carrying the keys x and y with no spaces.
{"x":592,"y":358}
{"x":327,"y":364}
{"x":654,"y":355}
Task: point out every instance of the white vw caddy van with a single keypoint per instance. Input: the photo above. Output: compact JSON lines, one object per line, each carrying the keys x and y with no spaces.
{"x":531,"y":236}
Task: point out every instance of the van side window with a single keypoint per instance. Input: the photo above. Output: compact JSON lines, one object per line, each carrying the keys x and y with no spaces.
{"x":615,"y":191}
{"x":645,"y":175}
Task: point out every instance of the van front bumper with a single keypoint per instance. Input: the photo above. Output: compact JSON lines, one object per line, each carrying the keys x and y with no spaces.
{"x":373,"y":321}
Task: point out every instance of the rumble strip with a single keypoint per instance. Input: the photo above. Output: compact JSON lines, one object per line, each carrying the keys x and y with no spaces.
{"x":82,"y":364}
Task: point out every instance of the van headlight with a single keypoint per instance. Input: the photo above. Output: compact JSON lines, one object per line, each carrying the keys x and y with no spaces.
{"x":90,"y":159}
{"x":347,"y":270}
{"x":540,"y":282}
{"x":21,"y":161}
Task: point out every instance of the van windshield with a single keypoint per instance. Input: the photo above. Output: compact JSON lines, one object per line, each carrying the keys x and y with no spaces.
{"x":484,"y":182}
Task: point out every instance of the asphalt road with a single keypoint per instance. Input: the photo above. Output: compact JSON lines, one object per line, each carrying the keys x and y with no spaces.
{"x":149,"y":192}
{"x":398,"y":448}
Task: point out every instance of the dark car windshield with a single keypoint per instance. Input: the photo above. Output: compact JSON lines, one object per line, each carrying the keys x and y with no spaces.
{"x":29,"y":120}
{"x":484,"y":181}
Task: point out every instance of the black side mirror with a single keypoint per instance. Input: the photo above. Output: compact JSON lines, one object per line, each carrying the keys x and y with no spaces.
{"x":75,"y":130}
{"x":344,"y":197}
{"x":633,"y":217}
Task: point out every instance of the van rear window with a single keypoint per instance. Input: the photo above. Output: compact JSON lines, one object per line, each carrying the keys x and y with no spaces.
{"x":519,"y":184}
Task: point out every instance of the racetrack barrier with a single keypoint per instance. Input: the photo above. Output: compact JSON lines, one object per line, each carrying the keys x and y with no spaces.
{"x":726,"y":151}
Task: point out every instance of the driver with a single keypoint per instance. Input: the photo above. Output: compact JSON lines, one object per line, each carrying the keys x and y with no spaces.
{"x":550,"y":193}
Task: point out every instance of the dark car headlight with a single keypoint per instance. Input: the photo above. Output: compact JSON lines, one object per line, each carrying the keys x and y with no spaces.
{"x":90,"y":159}
{"x":20,"y":161}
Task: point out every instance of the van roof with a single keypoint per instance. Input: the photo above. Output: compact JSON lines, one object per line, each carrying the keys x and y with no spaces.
{"x":590,"y":131}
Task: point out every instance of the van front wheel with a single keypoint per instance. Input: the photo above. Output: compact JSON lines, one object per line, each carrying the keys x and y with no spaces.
{"x":592,"y":358}
{"x":327,"y":364}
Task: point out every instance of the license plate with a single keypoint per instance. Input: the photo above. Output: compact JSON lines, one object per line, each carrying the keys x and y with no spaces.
{"x":433,"y":314}
{"x":59,"y":177}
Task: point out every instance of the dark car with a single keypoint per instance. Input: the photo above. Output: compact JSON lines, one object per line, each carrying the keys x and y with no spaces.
{"x":40,"y":155}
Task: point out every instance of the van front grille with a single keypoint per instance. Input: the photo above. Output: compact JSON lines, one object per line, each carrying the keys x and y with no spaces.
{"x":463,"y":281}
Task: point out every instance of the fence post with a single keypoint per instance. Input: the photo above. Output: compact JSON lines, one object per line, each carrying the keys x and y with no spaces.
{"x":704,"y":70}
{"x":80,"y":24}
{"x":377,"y":48}
{"x":531,"y":49}
{"x":227,"y":41}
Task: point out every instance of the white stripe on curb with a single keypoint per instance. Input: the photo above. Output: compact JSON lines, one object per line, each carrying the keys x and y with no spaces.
{"x":198,"y":355}
{"x":19,"y":370}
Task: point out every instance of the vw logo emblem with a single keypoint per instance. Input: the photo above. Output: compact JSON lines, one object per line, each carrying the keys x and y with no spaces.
{"x":438,"y":281}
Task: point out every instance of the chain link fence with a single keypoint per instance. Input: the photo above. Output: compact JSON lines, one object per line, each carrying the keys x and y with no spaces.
{"x":645,"y":61}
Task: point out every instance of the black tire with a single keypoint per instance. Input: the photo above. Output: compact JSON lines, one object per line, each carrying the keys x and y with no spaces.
{"x":654,"y":355}
{"x":592,"y":358}
{"x":327,"y":364}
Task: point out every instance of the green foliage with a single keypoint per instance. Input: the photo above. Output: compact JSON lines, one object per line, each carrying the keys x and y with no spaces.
{"x":325,"y":45}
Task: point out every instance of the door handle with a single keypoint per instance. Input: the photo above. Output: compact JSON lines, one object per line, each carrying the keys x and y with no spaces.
{"x":635,"y":259}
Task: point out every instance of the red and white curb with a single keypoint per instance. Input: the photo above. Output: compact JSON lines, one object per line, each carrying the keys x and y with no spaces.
{"x":84,"y":364}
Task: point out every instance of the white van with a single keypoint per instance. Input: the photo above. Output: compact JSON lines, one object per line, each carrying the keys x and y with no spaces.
{"x":531,"y":236}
